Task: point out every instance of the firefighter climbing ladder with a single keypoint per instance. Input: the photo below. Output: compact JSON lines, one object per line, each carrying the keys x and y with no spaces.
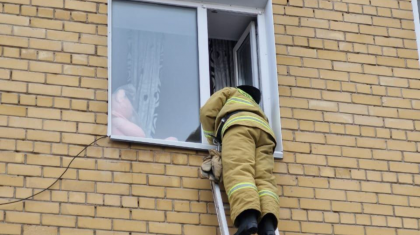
{"x":220,"y":210}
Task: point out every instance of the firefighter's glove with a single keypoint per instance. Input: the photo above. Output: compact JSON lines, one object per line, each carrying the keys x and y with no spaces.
{"x":212,"y":166}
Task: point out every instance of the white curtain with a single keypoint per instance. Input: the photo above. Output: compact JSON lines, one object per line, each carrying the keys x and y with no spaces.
{"x":145,"y":59}
{"x":221,"y":64}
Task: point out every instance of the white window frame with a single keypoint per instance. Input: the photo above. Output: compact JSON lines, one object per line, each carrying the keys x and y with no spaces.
{"x":267,"y":68}
{"x":416,"y":14}
{"x":251,"y":32}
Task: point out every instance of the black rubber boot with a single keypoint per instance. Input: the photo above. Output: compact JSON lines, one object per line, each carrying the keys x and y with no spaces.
{"x":267,"y":225}
{"x":247,"y":222}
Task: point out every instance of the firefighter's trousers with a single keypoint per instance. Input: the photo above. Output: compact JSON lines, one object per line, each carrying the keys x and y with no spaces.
{"x":247,"y":158}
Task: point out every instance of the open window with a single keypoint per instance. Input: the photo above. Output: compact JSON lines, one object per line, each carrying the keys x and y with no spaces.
{"x":167,"y":57}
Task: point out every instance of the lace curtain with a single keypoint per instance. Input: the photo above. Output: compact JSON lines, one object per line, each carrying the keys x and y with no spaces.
{"x":144,"y":66}
{"x":221,"y":64}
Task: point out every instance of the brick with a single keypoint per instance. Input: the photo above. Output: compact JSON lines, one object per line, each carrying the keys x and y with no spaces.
{"x":43,"y":160}
{"x":315,"y":23}
{"x":113,"y":188}
{"x":347,"y":67}
{"x":401,"y":145}
{"x":28,"y":76}
{"x":149,"y":168}
{"x":338,"y":117}
{"x":361,"y":197}
{"x":406,"y":73}
{"x":26,"y":218}
{"x":42,"y":207}
{"x":99,"y":19}
{"x":307,"y":115}
{"x":377,"y":209}
{"x":187,"y":194}
{"x":95,"y":175}
{"x":334,"y":75}
{"x":359,"y":38}
{"x":58,"y":220}
{"x":14,"y":20}
{"x":304,"y":72}
{"x":368,"y":121}
{"x":13,"y":63}
{"x":393,"y":200}
{"x":10,"y":229}
{"x":79,"y":71}
{"x":329,"y":15}
{"x":204,"y":230}
{"x":70,"y":231}
{"x":342,"y":26}
{"x":77,"y":138}
{"x":78,"y":48}
{"x":35,"y":182}
{"x":45,"y":67}
{"x":12,"y":133}
{"x":346,"y":207}
{"x":127,"y":225}
{"x":73,"y":209}
{"x":45,"y":44}
{"x":405,"y":190}
{"x":315,"y":204}
{"x":39,"y":230}
{"x":165,"y":228}
{"x":79,"y":5}
{"x":46,"y":24}
{"x":93,"y":39}
{"x":298,"y":51}
{"x":12,"y":86}
{"x":299,"y":11}
{"x":48,"y":3}
{"x":376,"y":187}
{"x":63,"y":36}
{"x":94,"y":223}
{"x":387,"y":155}
{"x":79,"y":27}
{"x":407,"y":212}
{"x":111,"y":212}
{"x":78,"y":186}
{"x":348,"y":229}
{"x":310,"y":137}
{"x":24,"y":170}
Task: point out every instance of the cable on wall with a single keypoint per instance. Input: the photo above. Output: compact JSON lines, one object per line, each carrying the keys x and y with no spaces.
{"x":60,"y":177}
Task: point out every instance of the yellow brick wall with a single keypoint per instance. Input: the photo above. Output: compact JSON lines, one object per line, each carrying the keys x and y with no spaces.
{"x":348,"y":75}
{"x":350,"y":104}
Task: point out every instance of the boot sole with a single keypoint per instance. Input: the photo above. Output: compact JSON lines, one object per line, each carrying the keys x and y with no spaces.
{"x":252,"y":228}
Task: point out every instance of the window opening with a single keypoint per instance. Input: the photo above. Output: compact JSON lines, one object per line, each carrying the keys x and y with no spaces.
{"x":232,"y":61}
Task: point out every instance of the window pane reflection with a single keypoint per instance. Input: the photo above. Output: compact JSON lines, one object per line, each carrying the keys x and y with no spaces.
{"x":155,"y":82}
{"x":245,"y":63}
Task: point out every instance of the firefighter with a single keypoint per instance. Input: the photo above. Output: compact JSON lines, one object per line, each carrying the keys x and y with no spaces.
{"x":247,"y":157}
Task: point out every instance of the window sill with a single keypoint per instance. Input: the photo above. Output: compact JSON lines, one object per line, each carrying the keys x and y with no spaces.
{"x":176,"y":144}
{"x":164,"y":143}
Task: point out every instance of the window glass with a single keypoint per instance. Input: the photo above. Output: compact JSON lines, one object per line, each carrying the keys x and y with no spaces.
{"x":245,"y":63}
{"x":155,"y":81}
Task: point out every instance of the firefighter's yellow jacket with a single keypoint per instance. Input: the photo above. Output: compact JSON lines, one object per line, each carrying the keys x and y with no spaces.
{"x":229,"y":100}
{"x":247,"y":153}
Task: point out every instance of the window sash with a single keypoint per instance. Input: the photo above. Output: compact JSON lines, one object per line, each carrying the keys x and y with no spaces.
{"x":416,"y":13}
{"x":267,"y":65}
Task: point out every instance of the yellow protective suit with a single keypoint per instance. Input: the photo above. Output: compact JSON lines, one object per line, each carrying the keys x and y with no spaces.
{"x":247,"y":152}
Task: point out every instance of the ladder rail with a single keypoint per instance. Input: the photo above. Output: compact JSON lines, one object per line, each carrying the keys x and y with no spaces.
{"x":220,"y":210}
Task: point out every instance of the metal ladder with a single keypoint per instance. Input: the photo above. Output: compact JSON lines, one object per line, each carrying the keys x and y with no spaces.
{"x":220,"y":210}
